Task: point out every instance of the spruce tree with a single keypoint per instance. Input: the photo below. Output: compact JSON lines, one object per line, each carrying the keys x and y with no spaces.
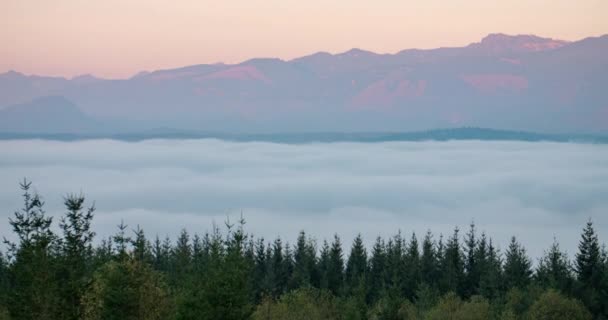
{"x":554,"y":270}
{"x":356,"y":266}
{"x":517,"y":267}
{"x":33,"y":293}
{"x":278,"y":271}
{"x":304,"y":263}
{"x":428,"y":261}
{"x":589,"y":269}
{"x":490,"y":281}
{"x":452,"y":266}
{"x":335,"y":270}
{"x":377,"y":271}
{"x":412,"y":268}
{"x":181,"y":259}
{"x":261,"y":286}
{"x":76,"y":256}
{"x":141,"y":247}
{"x":472,"y":263}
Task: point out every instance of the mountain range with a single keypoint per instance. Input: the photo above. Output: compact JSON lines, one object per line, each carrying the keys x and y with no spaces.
{"x":521,"y":82}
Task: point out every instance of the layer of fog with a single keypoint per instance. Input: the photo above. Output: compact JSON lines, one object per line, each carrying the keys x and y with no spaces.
{"x":535,"y":191}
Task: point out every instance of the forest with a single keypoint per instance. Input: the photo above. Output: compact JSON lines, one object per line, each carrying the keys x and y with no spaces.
{"x":58,"y":269}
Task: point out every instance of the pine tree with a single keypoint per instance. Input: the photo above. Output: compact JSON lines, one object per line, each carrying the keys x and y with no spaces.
{"x":518,"y":267}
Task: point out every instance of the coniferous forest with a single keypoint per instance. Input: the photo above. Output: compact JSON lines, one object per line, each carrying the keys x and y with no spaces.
{"x":67,"y":273}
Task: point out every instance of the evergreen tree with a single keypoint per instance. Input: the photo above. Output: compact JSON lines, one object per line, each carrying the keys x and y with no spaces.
{"x":517,"y":268}
{"x":261,"y":286}
{"x":412,"y":268}
{"x":589,"y":269}
{"x":472,"y":263}
{"x":122,"y":241}
{"x":181,"y":259}
{"x":428,"y":261}
{"x":377,"y":271}
{"x":304,"y":263}
{"x":141,"y":247}
{"x":77,"y":251}
{"x":200,"y":252}
{"x":323,"y":265}
{"x":279,"y":273}
{"x":32,"y":278}
{"x":452,"y":266}
{"x":335,"y":269}
{"x":4,"y":284}
{"x":356,"y":266}
{"x":490,"y":280}
{"x":554,"y":270}
{"x":395,"y":275}
{"x":160,"y":254}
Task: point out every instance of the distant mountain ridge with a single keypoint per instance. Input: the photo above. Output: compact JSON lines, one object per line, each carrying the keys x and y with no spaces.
{"x":464,"y":133}
{"x":522,"y":82}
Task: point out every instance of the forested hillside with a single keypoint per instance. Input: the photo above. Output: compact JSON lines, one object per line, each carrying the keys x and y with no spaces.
{"x":229,"y":274}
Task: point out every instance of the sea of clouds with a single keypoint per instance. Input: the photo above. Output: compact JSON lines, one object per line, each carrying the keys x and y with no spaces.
{"x":535,"y":191}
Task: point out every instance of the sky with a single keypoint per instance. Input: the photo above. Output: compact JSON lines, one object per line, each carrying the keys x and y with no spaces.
{"x":376,"y":189}
{"x":118,"y":38}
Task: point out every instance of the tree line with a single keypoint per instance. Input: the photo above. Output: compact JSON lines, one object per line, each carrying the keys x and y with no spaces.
{"x":229,"y":274}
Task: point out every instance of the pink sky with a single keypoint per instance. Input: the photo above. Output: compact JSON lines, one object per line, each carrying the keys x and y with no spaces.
{"x":117,"y":38}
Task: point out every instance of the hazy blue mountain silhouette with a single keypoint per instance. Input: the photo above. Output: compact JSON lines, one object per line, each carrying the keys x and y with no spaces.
{"x":50,"y":114}
{"x":521,"y":82}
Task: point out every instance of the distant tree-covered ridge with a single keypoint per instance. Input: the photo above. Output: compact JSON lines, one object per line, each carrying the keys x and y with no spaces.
{"x":229,"y":274}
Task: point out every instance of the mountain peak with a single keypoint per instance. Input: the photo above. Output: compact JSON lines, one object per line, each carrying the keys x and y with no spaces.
{"x":356,"y":52}
{"x":497,"y":43}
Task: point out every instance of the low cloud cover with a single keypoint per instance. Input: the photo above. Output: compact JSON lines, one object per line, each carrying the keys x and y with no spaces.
{"x":535,"y":191}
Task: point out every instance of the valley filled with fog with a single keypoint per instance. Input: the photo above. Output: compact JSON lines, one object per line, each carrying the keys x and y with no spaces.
{"x":533,"y":190}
